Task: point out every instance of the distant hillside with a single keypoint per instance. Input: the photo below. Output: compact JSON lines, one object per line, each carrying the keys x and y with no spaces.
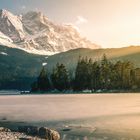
{"x":70,"y":58}
{"x":18,"y":69}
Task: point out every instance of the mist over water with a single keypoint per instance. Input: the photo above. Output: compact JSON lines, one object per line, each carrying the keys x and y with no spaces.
{"x":60,"y":107}
{"x":99,"y":116}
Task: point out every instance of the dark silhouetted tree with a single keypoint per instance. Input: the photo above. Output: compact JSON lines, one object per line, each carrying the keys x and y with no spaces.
{"x":60,"y":77}
{"x":82,"y":80}
{"x":43,"y":81}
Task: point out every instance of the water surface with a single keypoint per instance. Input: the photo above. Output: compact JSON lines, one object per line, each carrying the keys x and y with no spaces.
{"x":75,"y":116}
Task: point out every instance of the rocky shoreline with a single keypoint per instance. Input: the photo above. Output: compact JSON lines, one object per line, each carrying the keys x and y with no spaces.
{"x":29,"y":133}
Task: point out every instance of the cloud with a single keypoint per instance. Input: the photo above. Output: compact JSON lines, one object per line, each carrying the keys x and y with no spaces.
{"x":81,"y":20}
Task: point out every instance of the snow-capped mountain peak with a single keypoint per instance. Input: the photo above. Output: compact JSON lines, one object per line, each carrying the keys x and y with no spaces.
{"x":3,"y":13}
{"x":11,"y":25}
{"x":35,"y":33}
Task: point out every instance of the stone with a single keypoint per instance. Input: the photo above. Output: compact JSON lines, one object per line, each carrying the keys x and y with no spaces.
{"x":32,"y":130}
{"x":3,"y":129}
{"x":22,"y":129}
{"x":48,"y":134}
{"x":42,"y":132}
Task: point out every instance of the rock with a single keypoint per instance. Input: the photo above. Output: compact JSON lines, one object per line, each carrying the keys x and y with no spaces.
{"x":55,"y":135}
{"x":48,"y":134}
{"x":32,"y":130}
{"x":25,"y":138}
{"x":3,"y":129}
{"x":17,"y":136}
{"x":42,"y":132}
{"x":22,"y":129}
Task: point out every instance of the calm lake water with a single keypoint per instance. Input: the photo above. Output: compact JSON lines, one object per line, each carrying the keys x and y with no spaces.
{"x":77,"y":117}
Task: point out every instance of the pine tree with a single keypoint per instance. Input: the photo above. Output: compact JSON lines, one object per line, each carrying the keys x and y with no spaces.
{"x":90,"y":78}
{"x":34,"y":87}
{"x":43,"y":81}
{"x":95,"y":76}
{"x":105,"y":72}
{"x":60,"y":77}
{"x":126,"y":70}
{"x":82,"y":75}
{"x":135,"y":78}
{"x":116,"y":78}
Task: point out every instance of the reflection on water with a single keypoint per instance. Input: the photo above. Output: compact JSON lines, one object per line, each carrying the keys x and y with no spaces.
{"x":78,"y":117}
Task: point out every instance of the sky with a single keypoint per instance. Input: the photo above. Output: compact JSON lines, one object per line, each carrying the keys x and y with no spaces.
{"x":109,"y":23}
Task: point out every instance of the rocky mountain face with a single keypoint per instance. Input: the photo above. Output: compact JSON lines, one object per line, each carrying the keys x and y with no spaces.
{"x":35,"y":33}
{"x":11,"y":26}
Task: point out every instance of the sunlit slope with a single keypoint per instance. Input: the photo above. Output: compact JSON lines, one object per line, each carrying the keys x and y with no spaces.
{"x":70,"y":58}
{"x":18,"y":69}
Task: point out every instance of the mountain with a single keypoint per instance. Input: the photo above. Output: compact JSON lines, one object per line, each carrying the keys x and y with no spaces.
{"x":70,"y":58}
{"x":11,"y":26}
{"x":18,"y":69}
{"x":35,"y":33}
{"x":5,"y":40}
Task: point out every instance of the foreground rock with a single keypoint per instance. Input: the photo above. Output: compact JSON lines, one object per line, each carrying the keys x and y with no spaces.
{"x":42,"y":132}
{"x":3,"y":129}
{"x":29,"y":133}
{"x":31,"y":130}
{"x":17,"y":136}
{"x":48,"y":134}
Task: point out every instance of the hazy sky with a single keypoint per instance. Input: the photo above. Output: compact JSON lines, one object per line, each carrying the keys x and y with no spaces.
{"x":109,"y":23}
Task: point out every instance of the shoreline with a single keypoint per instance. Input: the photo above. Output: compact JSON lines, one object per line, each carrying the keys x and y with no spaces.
{"x":81,"y":116}
{"x":102,"y":93}
{"x":80,"y":130}
{"x":17,"y":92}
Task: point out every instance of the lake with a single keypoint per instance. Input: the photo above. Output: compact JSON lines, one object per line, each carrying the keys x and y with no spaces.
{"x":75,"y":116}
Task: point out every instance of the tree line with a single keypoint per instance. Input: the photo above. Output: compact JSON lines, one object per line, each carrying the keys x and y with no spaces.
{"x":90,"y":75}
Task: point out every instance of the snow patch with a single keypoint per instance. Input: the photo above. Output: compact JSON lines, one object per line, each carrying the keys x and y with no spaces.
{"x":4,"y":37}
{"x":3,"y":53}
{"x":44,"y":64}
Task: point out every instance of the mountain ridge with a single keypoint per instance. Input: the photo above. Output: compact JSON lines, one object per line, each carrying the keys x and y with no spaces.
{"x":35,"y":33}
{"x":19,"y":68}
